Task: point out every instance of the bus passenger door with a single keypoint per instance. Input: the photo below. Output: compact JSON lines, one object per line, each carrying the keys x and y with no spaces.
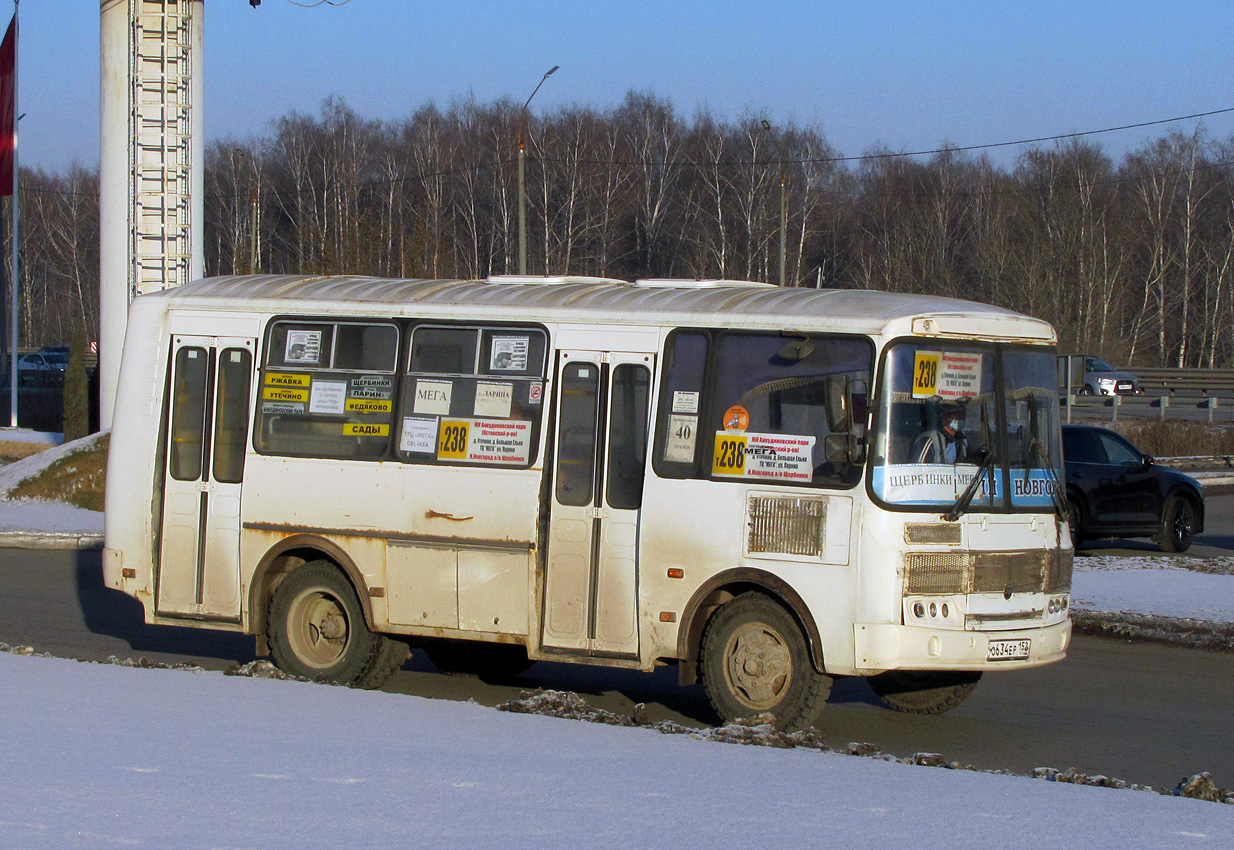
{"x":207,"y":430}
{"x":591,"y":581}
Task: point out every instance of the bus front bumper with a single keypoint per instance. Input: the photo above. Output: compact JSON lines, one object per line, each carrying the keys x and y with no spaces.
{"x":882,"y":647}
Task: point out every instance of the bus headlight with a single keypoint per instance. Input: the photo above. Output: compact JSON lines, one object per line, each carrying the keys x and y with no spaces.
{"x":940,"y":612}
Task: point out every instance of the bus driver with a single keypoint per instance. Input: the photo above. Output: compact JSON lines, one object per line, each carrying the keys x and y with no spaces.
{"x":945,"y":441}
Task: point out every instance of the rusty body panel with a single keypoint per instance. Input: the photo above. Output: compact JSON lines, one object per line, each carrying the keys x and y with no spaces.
{"x":393,"y":536}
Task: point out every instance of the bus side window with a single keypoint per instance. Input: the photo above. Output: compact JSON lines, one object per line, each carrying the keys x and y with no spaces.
{"x":328,"y":389}
{"x":681,"y":404}
{"x":472,"y":395}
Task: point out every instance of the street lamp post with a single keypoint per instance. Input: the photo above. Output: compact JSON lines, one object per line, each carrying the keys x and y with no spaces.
{"x":522,"y":174}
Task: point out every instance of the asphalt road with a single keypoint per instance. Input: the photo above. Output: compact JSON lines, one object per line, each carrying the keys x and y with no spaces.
{"x":1136,"y":711}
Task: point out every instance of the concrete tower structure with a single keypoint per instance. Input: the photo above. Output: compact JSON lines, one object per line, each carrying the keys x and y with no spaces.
{"x":151,"y":174}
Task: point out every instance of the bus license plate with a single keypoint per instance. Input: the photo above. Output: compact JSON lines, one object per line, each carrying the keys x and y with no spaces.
{"x":1008,"y":650}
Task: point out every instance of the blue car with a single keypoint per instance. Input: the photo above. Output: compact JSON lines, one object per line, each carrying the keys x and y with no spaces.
{"x":1115,"y":490}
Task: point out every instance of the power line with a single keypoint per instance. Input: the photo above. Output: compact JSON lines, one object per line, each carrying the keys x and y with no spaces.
{"x":1057,"y":138}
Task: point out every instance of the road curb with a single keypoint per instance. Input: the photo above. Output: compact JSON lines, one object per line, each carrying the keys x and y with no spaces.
{"x":1155,"y":628}
{"x":50,"y":540}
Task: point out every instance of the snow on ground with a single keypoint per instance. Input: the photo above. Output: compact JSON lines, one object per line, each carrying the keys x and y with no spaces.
{"x":25,"y":435}
{"x":102,"y":756}
{"x":1157,"y":585}
{"x":18,"y":471}
{"x":36,"y":514}
{"x":56,"y":517}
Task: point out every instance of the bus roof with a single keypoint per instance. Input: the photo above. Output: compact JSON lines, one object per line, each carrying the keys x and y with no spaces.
{"x":711,"y":303}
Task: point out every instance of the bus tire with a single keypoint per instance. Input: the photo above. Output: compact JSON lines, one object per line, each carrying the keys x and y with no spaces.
{"x":317,"y":631}
{"x":489,"y":662}
{"x":924,"y":692}
{"x":755,"y":660}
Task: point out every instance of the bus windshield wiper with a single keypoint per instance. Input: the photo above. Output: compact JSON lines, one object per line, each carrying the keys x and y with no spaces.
{"x":962,"y":503}
{"x":1051,"y":472}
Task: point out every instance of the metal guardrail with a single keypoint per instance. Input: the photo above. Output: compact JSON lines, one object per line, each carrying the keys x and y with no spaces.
{"x":1211,"y":408}
{"x":1159,"y":381}
{"x":1165,"y":393}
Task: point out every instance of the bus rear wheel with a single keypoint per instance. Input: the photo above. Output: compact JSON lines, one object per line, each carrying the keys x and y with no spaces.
{"x":316,"y":630}
{"x":924,"y":692}
{"x":755,"y":660}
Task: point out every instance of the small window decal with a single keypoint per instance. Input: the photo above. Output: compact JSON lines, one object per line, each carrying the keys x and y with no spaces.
{"x":303,"y":347}
{"x":509,"y":354}
{"x":433,"y":397}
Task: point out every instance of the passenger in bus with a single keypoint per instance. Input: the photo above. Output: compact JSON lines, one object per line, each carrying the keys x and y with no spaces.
{"x":943,"y":441}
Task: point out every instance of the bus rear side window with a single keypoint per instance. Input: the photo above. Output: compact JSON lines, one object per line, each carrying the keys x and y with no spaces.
{"x":328,"y":389}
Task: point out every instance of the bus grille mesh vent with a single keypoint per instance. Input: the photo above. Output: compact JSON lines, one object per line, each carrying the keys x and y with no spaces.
{"x":987,"y":572}
{"x":786,"y":525}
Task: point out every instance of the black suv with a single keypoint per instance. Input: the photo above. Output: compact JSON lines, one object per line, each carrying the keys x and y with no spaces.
{"x":1115,"y":490}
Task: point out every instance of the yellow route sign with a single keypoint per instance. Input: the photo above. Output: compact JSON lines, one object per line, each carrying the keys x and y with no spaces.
{"x":925,"y":374}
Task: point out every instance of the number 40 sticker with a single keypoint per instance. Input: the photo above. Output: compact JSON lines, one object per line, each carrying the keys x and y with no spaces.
{"x":452,"y":439}
{"x":925,"y":374}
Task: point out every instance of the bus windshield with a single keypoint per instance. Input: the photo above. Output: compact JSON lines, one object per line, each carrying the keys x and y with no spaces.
{"x":949,"y":412}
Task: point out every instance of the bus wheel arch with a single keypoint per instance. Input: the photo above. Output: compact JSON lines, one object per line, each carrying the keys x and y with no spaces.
{"x":723,"y":588}
{"x":317,"y":630}
{"x":755,"y":663}
{"x":284,"y":558}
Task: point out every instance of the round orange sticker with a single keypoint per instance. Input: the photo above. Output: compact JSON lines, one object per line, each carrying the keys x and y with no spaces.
{"x":736,"y":418}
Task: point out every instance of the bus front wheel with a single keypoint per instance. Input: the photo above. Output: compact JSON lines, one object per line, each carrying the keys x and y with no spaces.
{"x":924,"y":692}
{"x":755,"y":660}
{"x":316,"y":630}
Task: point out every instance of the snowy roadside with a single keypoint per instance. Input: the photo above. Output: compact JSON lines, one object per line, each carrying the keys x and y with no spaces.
{"x":280,"y":764}
{"x":37,"y":522}
{"x":1165,"y":598}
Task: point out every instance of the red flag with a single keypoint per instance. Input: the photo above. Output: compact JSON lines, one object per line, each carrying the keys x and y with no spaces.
{"x":8,"y":97}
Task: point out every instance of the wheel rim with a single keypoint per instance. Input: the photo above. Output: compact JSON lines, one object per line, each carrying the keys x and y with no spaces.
{"x":758,"y":666}
{"x":317,"y":628}
{"x":1182,"y":524}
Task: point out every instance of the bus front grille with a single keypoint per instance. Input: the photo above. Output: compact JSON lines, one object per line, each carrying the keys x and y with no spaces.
{"x":1041,"y":571}
{"x":786,"y":525}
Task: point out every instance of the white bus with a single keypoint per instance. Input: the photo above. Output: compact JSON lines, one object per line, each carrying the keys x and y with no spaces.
{"x":766,"y":487}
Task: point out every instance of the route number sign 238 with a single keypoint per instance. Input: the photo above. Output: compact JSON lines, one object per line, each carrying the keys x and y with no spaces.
{"x":925,"y":374}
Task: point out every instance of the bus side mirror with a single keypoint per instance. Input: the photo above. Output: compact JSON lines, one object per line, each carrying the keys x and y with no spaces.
{"x":857,"y":394}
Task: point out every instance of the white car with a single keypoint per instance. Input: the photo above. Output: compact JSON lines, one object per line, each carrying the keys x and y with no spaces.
{"x":1100,"y":378}
{"x":41,"y":368}
{"x":1093,"y":376}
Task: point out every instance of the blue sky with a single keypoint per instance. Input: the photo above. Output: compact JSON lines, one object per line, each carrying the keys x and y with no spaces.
{"x":910,"y":75}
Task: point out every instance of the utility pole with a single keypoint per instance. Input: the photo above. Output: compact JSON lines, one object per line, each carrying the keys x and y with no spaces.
{"x":783,"y":207}
{"x":522,"y":175}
